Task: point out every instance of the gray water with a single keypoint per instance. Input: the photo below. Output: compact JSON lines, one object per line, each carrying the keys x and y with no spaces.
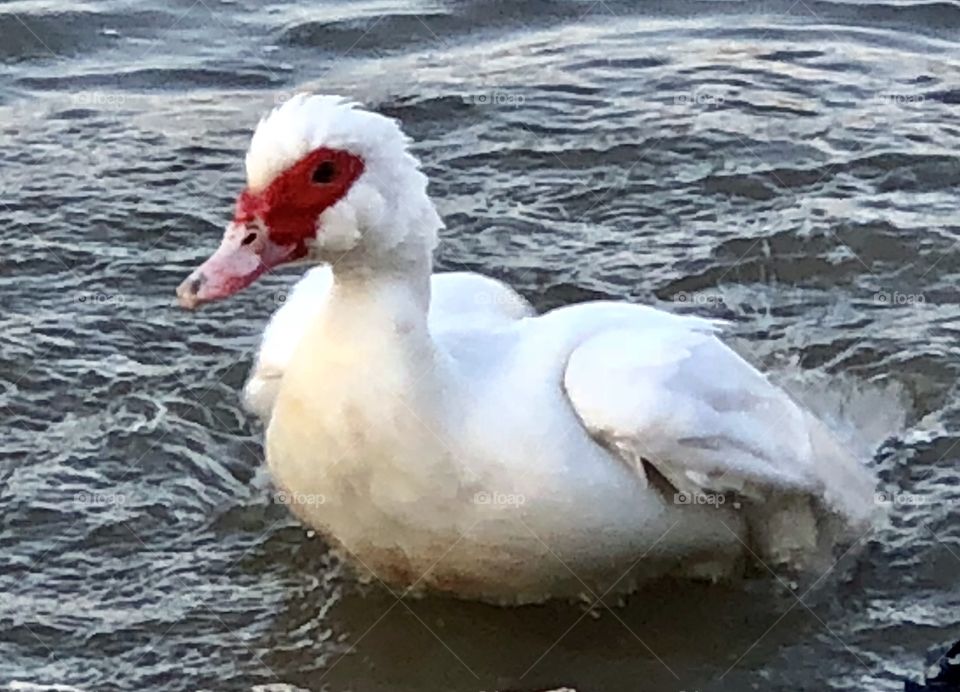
{"x":792,"y":167}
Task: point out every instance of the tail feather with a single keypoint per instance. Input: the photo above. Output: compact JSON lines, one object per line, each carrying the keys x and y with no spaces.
{"x":808,"y":532}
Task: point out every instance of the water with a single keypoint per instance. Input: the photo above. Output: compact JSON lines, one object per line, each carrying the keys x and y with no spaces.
{"x":791,"y":167}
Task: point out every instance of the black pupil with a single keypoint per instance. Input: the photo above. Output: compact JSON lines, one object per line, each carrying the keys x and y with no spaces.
{"x":324,"y":172}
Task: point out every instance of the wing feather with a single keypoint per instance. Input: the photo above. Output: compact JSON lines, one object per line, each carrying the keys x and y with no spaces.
{"x":677,"y":397}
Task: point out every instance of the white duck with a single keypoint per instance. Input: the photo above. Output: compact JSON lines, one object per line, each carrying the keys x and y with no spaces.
{"x":446,"y":438}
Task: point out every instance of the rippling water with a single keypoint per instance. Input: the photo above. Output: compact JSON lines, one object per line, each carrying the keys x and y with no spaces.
{"x":790,"y":166}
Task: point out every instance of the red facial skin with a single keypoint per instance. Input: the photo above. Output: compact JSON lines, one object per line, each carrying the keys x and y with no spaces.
{"x":273,"y":226}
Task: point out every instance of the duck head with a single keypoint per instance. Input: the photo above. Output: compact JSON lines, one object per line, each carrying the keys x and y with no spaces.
{"x":326,"y":182}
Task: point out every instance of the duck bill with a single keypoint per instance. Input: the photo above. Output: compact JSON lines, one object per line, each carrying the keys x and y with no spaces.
{"x":244,"y":254}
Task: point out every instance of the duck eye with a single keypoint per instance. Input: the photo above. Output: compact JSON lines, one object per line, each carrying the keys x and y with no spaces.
{"x":324,"y":173}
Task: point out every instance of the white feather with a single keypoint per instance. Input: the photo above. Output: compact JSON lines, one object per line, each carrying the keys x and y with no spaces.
{"x":459,"y":300}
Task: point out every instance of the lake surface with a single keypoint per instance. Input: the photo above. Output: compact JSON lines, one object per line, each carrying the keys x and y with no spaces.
{"x":792,"y":167}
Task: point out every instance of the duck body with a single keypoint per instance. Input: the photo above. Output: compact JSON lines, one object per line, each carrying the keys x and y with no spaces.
{"x":445,"y":438}
{"x":453,"y":460}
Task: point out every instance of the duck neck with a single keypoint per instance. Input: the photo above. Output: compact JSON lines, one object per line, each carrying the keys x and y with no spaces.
{"x":386,"y":300}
